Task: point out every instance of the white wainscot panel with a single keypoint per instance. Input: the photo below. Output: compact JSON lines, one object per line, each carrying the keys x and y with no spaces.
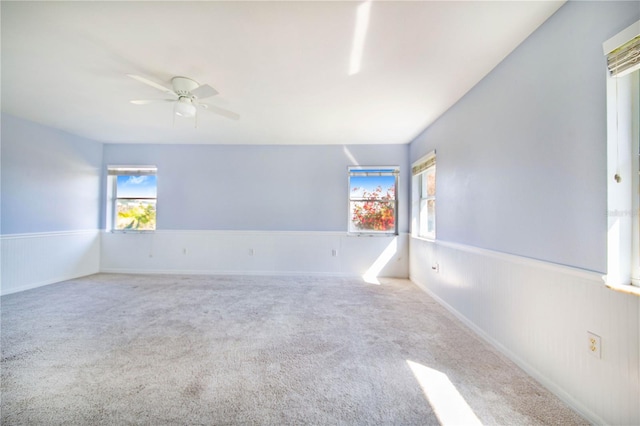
{"x":34,"y":260}
{"x":538,"y":314}
{"x":259,"y":252}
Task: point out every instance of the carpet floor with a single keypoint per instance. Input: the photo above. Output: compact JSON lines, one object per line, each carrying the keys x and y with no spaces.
{"x":187,"y":350}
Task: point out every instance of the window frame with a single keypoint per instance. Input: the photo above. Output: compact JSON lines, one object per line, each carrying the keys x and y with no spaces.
{"x":113,"y":172}
{"x":419,"y":171}
{"x":623,"y":169}
{"x":635,"y":178}
{"x":395,"y":171}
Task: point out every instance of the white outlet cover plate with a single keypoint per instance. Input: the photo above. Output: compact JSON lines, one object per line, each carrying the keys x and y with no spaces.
{"x":594,"y":344}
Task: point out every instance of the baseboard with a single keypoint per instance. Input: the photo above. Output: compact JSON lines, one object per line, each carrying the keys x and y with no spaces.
{"x":223,"y":272}
{"x":56,"y":280}
{"x":549,"y":384}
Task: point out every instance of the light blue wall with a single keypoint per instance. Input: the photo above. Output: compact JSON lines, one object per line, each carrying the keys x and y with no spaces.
{"x":521,"y":158}
{"x":283,"y":188}
{"x":50,"y":179}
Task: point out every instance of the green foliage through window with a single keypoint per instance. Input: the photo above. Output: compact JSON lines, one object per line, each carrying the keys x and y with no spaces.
{"x":134,"y":192}
{"x":136,"y":215}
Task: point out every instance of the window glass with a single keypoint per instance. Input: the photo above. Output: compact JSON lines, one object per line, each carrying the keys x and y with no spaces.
{"x":372,"y":200}
{"x":132,"y":194}
{"x":424,"y":197}
{"x":136,"y":202}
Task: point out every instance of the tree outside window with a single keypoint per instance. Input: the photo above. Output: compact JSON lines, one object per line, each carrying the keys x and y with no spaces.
{"x":372,"y":200}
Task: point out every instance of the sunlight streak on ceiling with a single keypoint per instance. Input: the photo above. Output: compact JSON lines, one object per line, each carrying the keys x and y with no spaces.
{"x":359,"y":37}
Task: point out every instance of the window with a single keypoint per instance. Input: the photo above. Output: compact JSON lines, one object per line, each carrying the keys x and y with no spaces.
{"x":623,"y":165}
{"x":373,"y":204}
{"x":132,"y":192}
{"x":424,"y":197}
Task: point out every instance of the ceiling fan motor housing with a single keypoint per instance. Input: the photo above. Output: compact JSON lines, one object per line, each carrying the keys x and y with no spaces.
{"x":183,"y":86}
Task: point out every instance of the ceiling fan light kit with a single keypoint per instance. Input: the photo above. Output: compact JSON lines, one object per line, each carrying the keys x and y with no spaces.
{"x":187,"y":93}
{"x":185,"y":108}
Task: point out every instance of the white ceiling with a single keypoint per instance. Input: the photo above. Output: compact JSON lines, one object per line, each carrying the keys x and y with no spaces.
{"x":283,"y":66}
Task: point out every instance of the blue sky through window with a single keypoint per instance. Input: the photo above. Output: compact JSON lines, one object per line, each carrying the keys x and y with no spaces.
{"x":143,"y":186}
{"x":369,"y":184}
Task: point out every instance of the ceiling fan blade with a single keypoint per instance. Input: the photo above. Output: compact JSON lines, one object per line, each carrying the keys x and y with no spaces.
{"x":149,"y":101}
{"x":225,"y":113}
{"x":204,"y":91}
{"x":150,"y":83}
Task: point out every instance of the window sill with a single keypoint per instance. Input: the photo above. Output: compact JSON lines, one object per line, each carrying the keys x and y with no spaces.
{"x":122,"y":231}
{"x":365,"y":234}
{"x":429,"y":240}
{"x":622,"y":288}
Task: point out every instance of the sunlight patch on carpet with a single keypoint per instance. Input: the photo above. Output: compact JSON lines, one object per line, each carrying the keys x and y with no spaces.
{"x":447,"y":403}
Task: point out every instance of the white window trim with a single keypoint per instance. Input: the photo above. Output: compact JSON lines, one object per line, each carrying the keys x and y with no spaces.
{"x":351,"y":169}
{"x":416,"y":198}
{"x":623,"y":220}
{"x":112,"y":195}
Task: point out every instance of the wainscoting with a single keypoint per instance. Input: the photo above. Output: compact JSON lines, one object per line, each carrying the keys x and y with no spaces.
{"x":255,"y":252}
{"x":538,"y":314}
{"x":34,"y":260}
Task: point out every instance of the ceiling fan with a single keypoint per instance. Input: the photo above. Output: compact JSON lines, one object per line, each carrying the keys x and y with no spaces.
{"x":185,"y":94}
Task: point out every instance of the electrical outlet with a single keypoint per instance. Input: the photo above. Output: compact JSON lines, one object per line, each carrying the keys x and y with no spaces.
{"x":435,"y":267}
{"x":594,"y":344}
{"x":334,"y":253}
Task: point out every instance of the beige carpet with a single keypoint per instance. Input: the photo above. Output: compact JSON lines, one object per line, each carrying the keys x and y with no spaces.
{"x":158,"y":350}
